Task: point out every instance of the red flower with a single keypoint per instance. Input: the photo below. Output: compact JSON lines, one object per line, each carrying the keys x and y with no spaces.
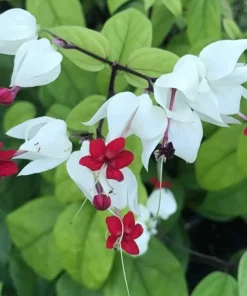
{"x":131,"y":232}
{"x":7,"y":166}
{"x":111,"y":154}
{"x":157,"y":184}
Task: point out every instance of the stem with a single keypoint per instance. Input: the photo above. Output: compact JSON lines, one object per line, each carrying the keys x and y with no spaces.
{"x":241,"y":115}
{"x":165,"y":138}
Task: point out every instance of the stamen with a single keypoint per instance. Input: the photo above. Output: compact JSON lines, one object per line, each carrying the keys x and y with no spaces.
{"x":78,"y":211}
{"x":241,"y":115}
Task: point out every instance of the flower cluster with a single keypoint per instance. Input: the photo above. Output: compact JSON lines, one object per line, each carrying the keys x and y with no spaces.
{"x":200,"y":88}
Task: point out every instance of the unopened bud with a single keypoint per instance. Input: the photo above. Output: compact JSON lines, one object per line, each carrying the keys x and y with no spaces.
{"x":59,"y":42}
{"x":6,"y":96}
{"x":101,"y":202}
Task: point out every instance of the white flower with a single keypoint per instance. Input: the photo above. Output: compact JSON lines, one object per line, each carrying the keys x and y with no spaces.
{"x":46,"y":143}
{"x":123,"y":194}
{"x":129,"y":114}
{"x":36,"y":63}
{"x":17,"y":27}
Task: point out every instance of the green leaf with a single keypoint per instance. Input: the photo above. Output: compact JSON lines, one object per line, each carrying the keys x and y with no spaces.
{"x":217,"y":284}
{"x":81,"y":245}
{"x":217,"y":165}
{"x":175,"y":6}
{"x":66,"y":190}
{"x":204,"y":20}
{"x":30,"y":228}
{"x":83,"y":112}
{"x":241,"y":152}
{"x":232,"y":29}
{"x":179,"y":44}
{"x":148,"y":4}
{"x":126,"y":32}
{"x":151,"y":62}
{"x":148,"y":275}
{"x":162,"y":20}
{"x":58,"y":111}
{"x":88,"y":40}
{"x":230,"y":202}
{"x":113,"y":5}
{"x":1,"y":288}
{"x":242,"y":274}
{"x":72,"y":86}
{"x":18,"y":113}
{"x":50,"y":13}
{"x":5,"y":242}
{"x":67,"y":287}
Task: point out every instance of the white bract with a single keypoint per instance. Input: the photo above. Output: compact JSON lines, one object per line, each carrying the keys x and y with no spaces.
{"x":46,"y":143}
{"x":123,"y":194}
{"x":36,"y":63}
{"x":17,"y":27}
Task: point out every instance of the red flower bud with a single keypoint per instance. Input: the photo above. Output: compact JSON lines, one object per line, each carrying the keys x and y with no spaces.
{"x":101,"y":202}
{"x":7,"y":95}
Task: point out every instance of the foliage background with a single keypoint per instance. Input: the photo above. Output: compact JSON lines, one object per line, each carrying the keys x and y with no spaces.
{"x":41,"y":254}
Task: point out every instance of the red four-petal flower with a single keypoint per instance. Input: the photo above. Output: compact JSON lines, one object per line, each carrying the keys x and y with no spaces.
{"x":112,"y":154}
{"x":131,"y":232}
{"x":7,"y":166}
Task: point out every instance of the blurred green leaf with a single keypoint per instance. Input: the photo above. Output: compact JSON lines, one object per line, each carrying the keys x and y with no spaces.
{"x":5,"y":245}
{"x":67,"y":287}
{"x":83,"y":112}
{"x":152,"y":62}
{"x":88,"y":40}
{"x":204,"y":20}
{"x":51,"y":13}
{"x":66,"y":190}
{"x":242,"y":152}
{"x":18,"y":113}
{"x":148,"y":3}
{"x":217,"y":165}
{"x":81,"y":245}
{"x":126,"y":32}
{"x":232,"y":29}
{"x":58,"y":111}
{"x":113,"y":5}
{"x":179,"y":44}
{"x":162,"y":20}
{"x":148,"y":275}
{"x":216,"y":284}
{"x":30,"y":228}
{"x":175,"y":6}
{"x":242,"y":274}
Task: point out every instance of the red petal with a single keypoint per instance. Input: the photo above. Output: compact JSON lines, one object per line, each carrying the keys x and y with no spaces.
{"x":114,"y":174}
{"x":91,"y":163}
{"x":114,"y":147}
{"x":111,"y":241}
{"x":130,"y":247}
{"x":8,"y":168}
{"x":122,"y":160}
{"x":6,"y":155}
{"x":129,"y":222}
{"x":114,"y":226}
{"x":136,"y":232}
{"x":97,"y":149}
{"x":245,"y":131}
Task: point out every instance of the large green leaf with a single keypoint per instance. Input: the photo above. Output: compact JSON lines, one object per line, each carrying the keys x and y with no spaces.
{"x":18,"y":113}
{"x":175,"y":6}
{"x":88,"y":40}
{"x":67,"y":287}
{"x":126,"y":32}
{"x":81,"y":245}
{"x":72,"y":86}
{"x":113,"y":5}
{"x":50,"y":13}
{"x":30,"y":227}
{"x":204,"y":20}
{"x":83,"y":112}
{"x":162,"y":20}
{"x":242,"y":274}
{"x":153,"y":274}
{"x":216,"y":165}
{"x":151,"y":62}
{"x":58,"y":111}
{"x":217,"y":284}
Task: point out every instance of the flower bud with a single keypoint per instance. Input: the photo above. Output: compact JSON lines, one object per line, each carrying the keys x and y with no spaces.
{"x":7,"y":97}
{"x":101,"y":202}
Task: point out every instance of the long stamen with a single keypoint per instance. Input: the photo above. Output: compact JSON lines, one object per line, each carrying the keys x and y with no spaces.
{"x":241,"y":115}
{"x":78,"y":211}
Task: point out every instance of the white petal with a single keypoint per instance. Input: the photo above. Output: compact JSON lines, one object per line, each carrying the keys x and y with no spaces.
{"x":168,"y":204}
{"x":143,"y":240}
{"x":100,"y":114}
{"x":82,"y":176}
{"x":148,"y":148}
{"x":132,"y":190}
{"x":237,"y":77}
{"x":149,"y":121}
{"x":17,"y":26}
{"x":230,"y":120}
{"x":144,"y":214}
{"x":229,"y":99}
{"x":40,"y":165}
{"x":120,"y":112}
{"x":186,"y":138}
{"x":29,"y":155}
{"x":208,"y":119}
{"x":244,"y":92}
{"x":222,"y":56}
{"x":29,"y":128}
{"x":36,"y":63}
